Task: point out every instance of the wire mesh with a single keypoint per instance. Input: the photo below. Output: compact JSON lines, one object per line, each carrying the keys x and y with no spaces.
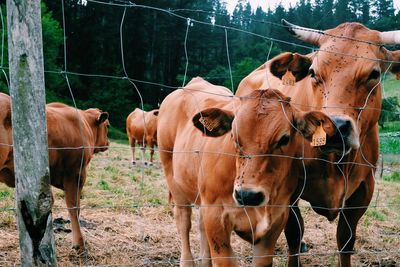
{"x":139,"y":204}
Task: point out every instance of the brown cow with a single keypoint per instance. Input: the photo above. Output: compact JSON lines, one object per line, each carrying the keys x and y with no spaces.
{"x":342,"y":79}
{"x":69,"y":130}
{"x":248,"y":165}
{"x":141,"y":127}
{"x":6,"y":156}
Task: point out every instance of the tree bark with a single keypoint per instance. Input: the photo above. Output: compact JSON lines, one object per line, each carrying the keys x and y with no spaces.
{"x":33,"y":194}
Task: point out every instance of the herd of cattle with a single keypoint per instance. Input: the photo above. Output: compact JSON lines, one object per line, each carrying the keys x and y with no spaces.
{"x":247,"y":159}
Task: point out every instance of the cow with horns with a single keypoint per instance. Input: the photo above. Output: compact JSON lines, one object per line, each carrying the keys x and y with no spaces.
{"x":342,"y":79}
{"x":237,"y":165}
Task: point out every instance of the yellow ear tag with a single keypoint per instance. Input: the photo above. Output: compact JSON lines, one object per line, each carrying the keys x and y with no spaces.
{"x":288,"y":78}
{"x":209,"y":124}
{"x":319,"y":137}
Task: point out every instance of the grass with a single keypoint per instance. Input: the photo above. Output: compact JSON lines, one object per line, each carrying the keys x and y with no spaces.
{"x":128,"y":206}
{"x":375,"y":214}
{"x":392,"y":177}
{"x":391,"y":126}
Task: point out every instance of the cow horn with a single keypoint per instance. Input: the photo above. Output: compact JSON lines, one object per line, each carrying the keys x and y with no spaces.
{"x":391,"y":37}
{"x":307,"y":35}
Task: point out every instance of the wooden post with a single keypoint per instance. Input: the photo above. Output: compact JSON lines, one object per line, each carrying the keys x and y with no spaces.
{"x":33,"y":194}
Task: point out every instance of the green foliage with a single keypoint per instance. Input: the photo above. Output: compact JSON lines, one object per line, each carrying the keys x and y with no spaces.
{"x":243,"y":68}
{"x":393,"y":177}
{"x":389,"y":144}
{"x":116,"y":134}
{"x":154,"y":52}
{"x":390,"y":110}
{"x":52,"y":40}
{"x":52,"y":43}
{"x":393,"y":126}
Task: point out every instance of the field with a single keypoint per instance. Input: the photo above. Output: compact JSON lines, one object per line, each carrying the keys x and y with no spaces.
{"x":126,"y":220}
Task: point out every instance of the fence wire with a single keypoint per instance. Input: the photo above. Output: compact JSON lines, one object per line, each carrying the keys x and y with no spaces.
{"x":340,"y":165}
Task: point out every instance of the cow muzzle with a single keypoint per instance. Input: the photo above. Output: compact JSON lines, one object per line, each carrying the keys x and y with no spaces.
{"x":248,"y":197}
{"x":345,"y":138}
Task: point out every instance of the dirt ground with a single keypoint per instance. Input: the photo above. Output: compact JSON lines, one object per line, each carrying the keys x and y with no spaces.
{"x":126,"y":221}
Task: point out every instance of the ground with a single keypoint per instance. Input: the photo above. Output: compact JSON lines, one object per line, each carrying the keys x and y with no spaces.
{"x":126,"y":220}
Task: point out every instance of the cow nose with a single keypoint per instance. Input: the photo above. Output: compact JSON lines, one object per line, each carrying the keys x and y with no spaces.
{"x":249,"y":198}
{"x":343,"y":126}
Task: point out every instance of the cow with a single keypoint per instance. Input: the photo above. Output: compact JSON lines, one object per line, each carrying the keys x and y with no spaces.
{"x":141,"y":128}
{"x":6,"y":156}
{"x":224,"y":154}
{"x":341,"y":79}
{"x":74,"y":136}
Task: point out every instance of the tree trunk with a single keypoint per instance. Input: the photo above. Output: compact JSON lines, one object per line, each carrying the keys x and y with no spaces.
{"x":33,"y":195}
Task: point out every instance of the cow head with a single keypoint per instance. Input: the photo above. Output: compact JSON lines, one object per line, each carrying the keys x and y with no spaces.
{"x":345,"y":76}
{"x":267,"y":133}
{"x":100,"y":125}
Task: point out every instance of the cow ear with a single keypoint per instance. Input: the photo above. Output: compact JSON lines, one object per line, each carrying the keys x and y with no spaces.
{"x":213,"y":122}
{"x":308,"y":122}
{"x":395,"y":69}
{"x":102,"y":117}
{"x":155,"y":112}
{"x":295,"y":63}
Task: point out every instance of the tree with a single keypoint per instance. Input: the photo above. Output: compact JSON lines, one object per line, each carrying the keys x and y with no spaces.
{"x":389,"y":110}
{"x":52,"y":41}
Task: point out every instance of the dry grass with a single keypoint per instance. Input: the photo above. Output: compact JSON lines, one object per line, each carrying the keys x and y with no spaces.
{"x":126,"y":221}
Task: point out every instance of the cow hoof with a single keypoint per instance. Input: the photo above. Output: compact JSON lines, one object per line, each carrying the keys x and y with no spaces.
{"x":304,"y":247}
{"x":133,"y":162}
{"x":78,"y":248}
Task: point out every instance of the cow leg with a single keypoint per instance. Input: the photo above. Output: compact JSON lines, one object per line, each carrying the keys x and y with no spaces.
{"x":294,"y":230}
{"x":143,"y":151}
{"x":219,"y":237}
{"x":150,"y":145}
{"x":182,"y":215}
{"x":132,"y":143}
{"x":204,"y":248}
{"x":264,"y":249}
{"x":151,"y":152}
{"x":72,"y":199}
{"x":348,"y":220}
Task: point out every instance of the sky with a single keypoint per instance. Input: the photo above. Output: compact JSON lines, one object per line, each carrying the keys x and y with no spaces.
{"x":273,"y":3}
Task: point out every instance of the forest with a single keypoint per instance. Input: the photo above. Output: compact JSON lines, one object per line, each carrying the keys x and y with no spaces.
{"x":105,"y":52}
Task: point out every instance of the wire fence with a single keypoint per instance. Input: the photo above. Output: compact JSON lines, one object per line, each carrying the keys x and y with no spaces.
{"x":342,"y":166}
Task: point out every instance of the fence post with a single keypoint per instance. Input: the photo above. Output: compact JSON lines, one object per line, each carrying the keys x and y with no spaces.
{"x":33,"y":194}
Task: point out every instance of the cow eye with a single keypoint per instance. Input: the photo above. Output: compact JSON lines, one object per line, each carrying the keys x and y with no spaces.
{"x":311,"y":72}
{"x":375,"y":74}
{"x":283,"y":141}
{"x":314,"y":76}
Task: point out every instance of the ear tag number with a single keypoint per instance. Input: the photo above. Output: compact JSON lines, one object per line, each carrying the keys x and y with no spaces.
{"x":209,"y":124}
{"x":319,"y":137}
{"x":288,"y":78}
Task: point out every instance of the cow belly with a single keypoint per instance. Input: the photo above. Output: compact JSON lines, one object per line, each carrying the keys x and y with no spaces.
{"x":184,"y":183}
{"x":7,"y":177}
